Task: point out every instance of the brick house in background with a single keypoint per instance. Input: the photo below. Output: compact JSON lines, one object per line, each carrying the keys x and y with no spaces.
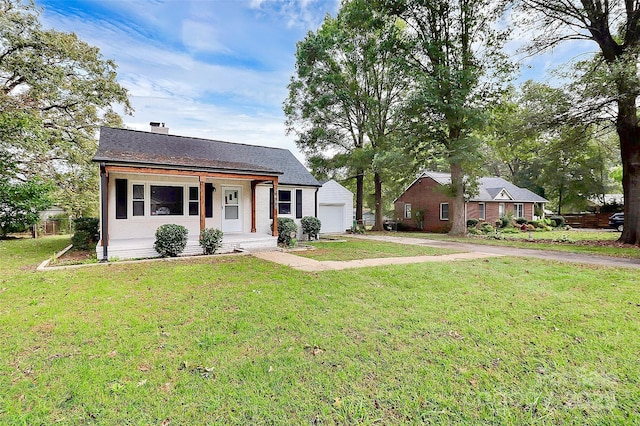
{"x":496,"y":197}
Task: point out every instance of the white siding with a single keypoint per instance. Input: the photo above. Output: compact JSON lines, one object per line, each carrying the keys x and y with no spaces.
{"x":332,"y":195}
{"x":263,"y":222}
{"x":145,"y":226}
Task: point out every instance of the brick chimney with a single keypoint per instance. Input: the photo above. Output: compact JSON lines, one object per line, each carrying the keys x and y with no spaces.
{"x":159,"y":128}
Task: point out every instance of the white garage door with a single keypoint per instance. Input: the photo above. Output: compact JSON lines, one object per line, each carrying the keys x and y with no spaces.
{"x":331,"y":218}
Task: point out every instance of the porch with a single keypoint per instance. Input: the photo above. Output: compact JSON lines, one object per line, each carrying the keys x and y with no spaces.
{"x":139,"y":248}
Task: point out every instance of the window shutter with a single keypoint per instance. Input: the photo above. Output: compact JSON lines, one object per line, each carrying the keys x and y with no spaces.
{"x":121,"y":198}
{"x":298,"y":203}
{"x":208,"y":200}
{"x":271,"y":203}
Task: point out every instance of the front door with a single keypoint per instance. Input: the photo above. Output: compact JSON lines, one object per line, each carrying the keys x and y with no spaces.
{"x":232,"y":209}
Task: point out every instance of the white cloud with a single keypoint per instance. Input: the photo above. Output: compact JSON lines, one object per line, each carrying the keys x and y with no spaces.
{"x":201,"y":36}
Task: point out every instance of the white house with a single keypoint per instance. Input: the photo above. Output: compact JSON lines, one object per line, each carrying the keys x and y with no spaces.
{"x":335,"y":207}
{"x":153,"y":178}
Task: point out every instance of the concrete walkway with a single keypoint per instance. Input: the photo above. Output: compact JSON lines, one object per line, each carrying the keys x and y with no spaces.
{"x":471,"y":252}
{"x":312,"y":265}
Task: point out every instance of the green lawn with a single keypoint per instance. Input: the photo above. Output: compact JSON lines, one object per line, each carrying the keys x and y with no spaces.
{"x":353,"y":249}
{"x":237,"y":340}
{"x":576,"y":241}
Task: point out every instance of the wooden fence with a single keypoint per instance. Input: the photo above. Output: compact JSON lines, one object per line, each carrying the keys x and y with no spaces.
{"x":587,"y":220}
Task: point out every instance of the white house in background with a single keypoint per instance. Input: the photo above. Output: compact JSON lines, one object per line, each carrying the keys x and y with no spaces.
{"x":152,"y":178}
{"x":335,"y":207}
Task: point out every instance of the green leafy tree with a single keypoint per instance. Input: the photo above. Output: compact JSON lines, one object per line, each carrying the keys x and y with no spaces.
{"x":613,"y":26}
{"x":347,"y":94}
{"x":55,"y":93}
{"x":456,"y":62}
{"x":21,"y":203}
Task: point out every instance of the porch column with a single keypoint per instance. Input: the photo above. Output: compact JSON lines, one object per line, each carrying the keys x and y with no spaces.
{"x":253,"y":205}
{"x":202,"y":203}
{"x":275,"y":207}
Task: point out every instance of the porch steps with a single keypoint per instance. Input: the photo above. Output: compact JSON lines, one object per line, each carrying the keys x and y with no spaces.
{"x":141,"y":248}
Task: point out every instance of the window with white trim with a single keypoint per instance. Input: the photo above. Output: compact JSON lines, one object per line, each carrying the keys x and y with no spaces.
{"x":284,"y":201}
{"x":501,"y":210}
{"x":444,"y":211}
{"x":407,"y":211}
{"x":166,"y":200}
{"x":138,"y":199}
{"x":194,"y":201}
{"x":518,"y":210}
{"x":481,"y":211}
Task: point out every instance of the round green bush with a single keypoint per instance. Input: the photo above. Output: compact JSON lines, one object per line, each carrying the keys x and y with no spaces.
{"x":171,"y":239}
{"x":210,"y":240}
{"x":471,"y":223}
{"x":310,"y":226}
{"x":559,"y":220}
{"x":286,"y":227}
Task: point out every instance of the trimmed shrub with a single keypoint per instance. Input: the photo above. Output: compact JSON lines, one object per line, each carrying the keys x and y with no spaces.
{"x":521,"y":220}
{"x":471,"y":223}
{"x":171,"y":239}
{"x":210,"y":240}
{"x":286,"y":227}
{"x":559,"y":220}
{"x":311,"y":226}
{"x":86,"y":233}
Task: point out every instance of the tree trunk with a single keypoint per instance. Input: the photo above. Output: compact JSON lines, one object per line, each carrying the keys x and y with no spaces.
{"x":378,"y":199}
{"x":629,"y":133}
{"x":359,"y":195}
{"x":458,"y":219}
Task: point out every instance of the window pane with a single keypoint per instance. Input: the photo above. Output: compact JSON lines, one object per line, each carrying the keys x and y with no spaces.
{"x":231,"y":212}
{"x":284,"y":195}
{"x":193,"y":208}
{"x":193,"y":193}
{"x":138,"y":192}
{"x":167,"y":200}
{"x":284,"y":208}
{"x":445,"y":211}
{"x":138,"y":208}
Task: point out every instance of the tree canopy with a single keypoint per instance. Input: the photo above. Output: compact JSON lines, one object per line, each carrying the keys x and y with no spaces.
{"x":55,"y":93}
{"x":346,"y":95}
{"x":613,"y":26}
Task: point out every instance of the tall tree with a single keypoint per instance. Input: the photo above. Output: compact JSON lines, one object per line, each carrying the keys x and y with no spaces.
{"x":614,"y":27}
{"x":55,"y":93}
{"x":455,"y":53}
{"x":347,"y":92}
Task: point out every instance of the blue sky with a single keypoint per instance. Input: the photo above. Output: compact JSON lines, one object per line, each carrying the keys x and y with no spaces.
{"x":216,"y":69}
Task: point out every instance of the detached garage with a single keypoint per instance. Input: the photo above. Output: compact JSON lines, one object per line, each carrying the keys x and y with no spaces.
{"x":335,"y":207}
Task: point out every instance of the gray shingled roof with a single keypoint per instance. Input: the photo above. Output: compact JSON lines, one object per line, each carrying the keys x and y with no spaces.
{"x":140,"y":148}
{"x":490,"y":187}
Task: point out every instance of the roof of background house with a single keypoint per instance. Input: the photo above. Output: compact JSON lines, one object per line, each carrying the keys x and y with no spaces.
{"x":490,"y":187}
{"x":146,"y":148}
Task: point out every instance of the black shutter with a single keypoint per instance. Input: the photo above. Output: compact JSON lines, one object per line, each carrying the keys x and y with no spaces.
{"x":121,"y":198}
{"x":270,"y":203}
{"x":208,"y":200}
{"x":298,"y":203}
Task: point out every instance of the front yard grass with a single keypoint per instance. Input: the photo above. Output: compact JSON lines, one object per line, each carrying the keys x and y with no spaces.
{"x":237,"y":340}
{"x":353,"y":249}
{"x":575,"y":241}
